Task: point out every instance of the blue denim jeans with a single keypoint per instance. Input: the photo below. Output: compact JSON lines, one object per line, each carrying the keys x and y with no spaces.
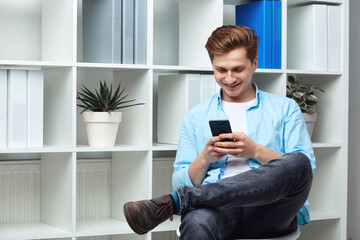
{"x":259,"y":203}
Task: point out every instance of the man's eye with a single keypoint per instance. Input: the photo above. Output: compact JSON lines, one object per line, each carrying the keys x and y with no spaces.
{"x":222,"y":70}
{"x":238,"y":70}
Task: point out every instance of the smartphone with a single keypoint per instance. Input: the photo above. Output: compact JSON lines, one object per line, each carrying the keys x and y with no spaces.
{"x":220,"y":126}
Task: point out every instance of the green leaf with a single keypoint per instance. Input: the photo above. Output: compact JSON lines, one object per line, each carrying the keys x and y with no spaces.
{"x":103,"y":99}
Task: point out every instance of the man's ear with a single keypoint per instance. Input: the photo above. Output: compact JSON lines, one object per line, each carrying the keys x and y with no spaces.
{"x":255,"y":63}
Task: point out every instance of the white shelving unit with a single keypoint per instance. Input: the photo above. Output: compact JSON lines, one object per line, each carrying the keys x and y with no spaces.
{"x":47,"y":35}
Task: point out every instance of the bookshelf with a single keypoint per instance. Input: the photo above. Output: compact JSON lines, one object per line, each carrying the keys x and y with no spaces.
{"x":49,"y":36}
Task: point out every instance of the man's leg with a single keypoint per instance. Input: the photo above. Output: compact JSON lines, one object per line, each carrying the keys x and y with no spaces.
{"x":209,"y":223}
{"x":288,"y":176}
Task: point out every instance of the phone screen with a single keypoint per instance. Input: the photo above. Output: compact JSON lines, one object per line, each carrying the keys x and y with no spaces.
{"x":219,"y":126}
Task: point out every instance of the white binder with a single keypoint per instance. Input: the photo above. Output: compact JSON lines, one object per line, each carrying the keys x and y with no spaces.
{"x":17,"y":96}
{"x":35,"y":112}
{"x":3,"y":107}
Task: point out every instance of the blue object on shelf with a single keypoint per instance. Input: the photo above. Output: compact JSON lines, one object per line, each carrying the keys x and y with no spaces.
{"x":265,"y":18}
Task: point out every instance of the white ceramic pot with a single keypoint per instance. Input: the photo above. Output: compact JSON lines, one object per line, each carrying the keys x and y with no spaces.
{"x":101,"y":127}
{"x":310,"y":119}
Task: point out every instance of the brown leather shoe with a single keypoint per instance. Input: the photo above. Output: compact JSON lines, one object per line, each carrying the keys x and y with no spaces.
{"x":143,"y":216}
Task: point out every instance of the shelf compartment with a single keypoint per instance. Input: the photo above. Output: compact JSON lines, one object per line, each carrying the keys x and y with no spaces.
{"x":44,"y":30}
{"x":270,"y":82}
{"x":25,"y":184}
{"x":174,"y":42}
{"x":163,"y":169}
{"x":329,"y":106}
{"x":321,"y":230}
{"x":107,"y":226}
{"x":58,"y":107}
{"x":134,"y":128}
{"x":32,"y":231}
{"x":101,"y":187}
{"x":326,"y":191}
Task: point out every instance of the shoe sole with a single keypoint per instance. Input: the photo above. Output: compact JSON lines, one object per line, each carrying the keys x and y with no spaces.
{"x":137,"y":229}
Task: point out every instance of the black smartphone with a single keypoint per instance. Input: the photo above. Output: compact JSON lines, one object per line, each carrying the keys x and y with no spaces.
{"x":220,"y":126}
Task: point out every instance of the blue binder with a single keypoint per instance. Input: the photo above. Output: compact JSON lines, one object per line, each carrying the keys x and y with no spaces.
{"x":265,"y":18}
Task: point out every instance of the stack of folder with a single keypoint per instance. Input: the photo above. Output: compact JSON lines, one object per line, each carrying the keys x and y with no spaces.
{"x":114,"y":31}
{"x":21,"y":108}
{"x":265,"y":18}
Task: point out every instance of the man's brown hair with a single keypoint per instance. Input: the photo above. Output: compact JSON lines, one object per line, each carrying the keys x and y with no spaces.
{"x":229,"y":37}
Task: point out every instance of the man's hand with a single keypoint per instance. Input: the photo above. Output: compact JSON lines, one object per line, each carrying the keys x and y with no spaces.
{"x":244,"y":147}
{"x":210,"y":151}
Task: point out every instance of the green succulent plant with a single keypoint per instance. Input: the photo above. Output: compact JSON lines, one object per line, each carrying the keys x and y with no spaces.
{"x":104,"y":99}
{"x":303,"y":94}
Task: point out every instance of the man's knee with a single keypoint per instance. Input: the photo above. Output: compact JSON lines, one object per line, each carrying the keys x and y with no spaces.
{"x":299,"y":161}
{"x":201,"y":222}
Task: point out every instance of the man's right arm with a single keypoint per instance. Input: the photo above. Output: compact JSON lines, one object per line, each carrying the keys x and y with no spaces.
{"x":200,"y":166}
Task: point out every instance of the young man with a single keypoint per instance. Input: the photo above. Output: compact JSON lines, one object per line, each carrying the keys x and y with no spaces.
{"x":255,"y":186}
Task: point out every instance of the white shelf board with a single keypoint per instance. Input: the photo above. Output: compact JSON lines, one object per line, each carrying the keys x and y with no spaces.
{"x":33,"y":65}
{"x":98,"y":227}
{"x":110,"y":66}
{"x":164,"y":147}
{"x":31,"y":231}
{"x":290,"y":2}
{"x":45,"y":149}
{"x":319,"y":216}
{"x":326,"y":145}
{"x":302,"y":2}
{"x":266,"y":71}
{"x":307,"y":72}
{"x":116,"y":148}
{"x":168,"y":225}
{"x":169,"y":68}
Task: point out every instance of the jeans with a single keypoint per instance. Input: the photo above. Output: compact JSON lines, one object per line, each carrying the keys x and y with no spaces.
{"x":259,"y":203}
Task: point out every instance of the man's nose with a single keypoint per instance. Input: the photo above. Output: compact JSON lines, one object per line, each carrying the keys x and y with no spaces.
{"x":230,"y":78}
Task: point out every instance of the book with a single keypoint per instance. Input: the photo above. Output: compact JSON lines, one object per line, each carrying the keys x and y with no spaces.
{"x":276,"y":35}
{"x":17,"y":107}
{"x":176,"y":95}
{"x":258,"y":16}
{"x":333,"y":30}
{"x":101,"y":31}
{"x":35,"y":106}
{"x":140,"y":32}
{"x":307,"y":37}
{"x":128,"y":32}
{"x":117,"y":31}
{"x":3,"y":107}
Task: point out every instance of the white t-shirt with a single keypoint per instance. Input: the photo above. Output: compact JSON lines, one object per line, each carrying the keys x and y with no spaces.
{"x":237,"y":117}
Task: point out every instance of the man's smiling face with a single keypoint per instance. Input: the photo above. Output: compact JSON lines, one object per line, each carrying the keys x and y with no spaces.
{"x":233,"y":71}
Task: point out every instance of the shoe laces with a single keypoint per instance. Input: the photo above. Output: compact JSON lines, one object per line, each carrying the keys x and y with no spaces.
{"x":164,"y":205}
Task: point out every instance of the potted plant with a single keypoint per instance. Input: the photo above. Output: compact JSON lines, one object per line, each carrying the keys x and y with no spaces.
{"x":304,"y":95}
{"x":100,"y":113}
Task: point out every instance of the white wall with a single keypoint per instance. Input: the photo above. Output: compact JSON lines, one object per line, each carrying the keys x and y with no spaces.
{"x":354,"y":120}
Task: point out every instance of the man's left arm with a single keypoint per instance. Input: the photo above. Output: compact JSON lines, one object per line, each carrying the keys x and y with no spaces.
{"x":296,"y":135}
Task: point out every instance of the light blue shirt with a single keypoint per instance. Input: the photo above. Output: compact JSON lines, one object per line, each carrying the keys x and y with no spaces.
{"x":274,"y":121}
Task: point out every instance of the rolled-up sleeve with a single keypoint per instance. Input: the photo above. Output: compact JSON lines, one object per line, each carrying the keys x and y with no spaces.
{"x":296,"y":134}
{"x":186,"y":153}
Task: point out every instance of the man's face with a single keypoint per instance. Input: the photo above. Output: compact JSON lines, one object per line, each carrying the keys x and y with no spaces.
{"x":233,"y":72}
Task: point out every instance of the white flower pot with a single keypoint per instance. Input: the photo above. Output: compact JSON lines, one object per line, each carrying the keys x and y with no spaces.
{"x":310,"y":119}
{"x":101,"y":127}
